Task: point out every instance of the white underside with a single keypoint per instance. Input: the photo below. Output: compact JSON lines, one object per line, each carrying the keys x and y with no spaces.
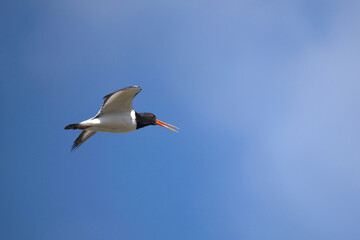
{"x":112,"y":123}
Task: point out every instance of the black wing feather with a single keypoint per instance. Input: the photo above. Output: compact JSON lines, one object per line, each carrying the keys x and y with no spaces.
{"x":84,"y":135}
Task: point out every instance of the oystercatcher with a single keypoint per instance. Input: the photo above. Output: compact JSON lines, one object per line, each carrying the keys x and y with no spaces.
{"x":116,"y":116}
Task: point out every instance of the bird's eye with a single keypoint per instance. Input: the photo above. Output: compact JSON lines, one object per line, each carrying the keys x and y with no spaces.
{"x":151,"y":115}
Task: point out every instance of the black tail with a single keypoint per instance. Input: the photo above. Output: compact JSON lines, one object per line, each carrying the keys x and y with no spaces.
{"x":73,"y":126}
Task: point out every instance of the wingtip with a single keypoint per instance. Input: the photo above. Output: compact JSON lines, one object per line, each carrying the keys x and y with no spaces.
{"x":73,"y":148}
{"x":136,"y":86}
{"x":75,"y":145}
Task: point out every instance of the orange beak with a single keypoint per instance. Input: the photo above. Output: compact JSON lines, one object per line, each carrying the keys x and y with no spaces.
{"x":166,"y":125}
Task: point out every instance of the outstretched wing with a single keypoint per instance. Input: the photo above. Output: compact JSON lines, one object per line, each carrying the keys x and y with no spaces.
{"x":119,"y":101}
{"x":84,"y":135}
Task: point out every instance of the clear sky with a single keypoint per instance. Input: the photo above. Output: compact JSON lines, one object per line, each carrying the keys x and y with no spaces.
{"x":266,"y":94}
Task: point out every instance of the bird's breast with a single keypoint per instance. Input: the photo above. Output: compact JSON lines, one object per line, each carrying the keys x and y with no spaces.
{"x":114,"y":123}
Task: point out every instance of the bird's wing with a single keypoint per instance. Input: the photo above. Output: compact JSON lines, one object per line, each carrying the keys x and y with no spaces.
{"x":119,"y":101}
{"x":84,"y":135}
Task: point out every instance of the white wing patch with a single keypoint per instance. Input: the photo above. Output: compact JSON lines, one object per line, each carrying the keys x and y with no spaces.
{"x":133,"y":117}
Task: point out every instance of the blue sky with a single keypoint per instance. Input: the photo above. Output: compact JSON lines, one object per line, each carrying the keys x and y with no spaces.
{"x":266,"y":95}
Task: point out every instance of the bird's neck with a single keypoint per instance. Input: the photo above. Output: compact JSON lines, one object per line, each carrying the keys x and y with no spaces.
{"x":141,"y":121}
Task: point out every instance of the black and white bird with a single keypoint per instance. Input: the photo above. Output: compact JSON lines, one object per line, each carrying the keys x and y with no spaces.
{"x":116,"y":116}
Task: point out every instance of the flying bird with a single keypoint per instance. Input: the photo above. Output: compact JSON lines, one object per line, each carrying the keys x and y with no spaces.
{"x":116,"y":115}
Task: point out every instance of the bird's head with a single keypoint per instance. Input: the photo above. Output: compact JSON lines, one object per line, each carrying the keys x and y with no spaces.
{"x":146,"y":119}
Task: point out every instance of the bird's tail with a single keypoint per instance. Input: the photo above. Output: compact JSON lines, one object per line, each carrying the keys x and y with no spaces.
{"x":73,"y":126}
